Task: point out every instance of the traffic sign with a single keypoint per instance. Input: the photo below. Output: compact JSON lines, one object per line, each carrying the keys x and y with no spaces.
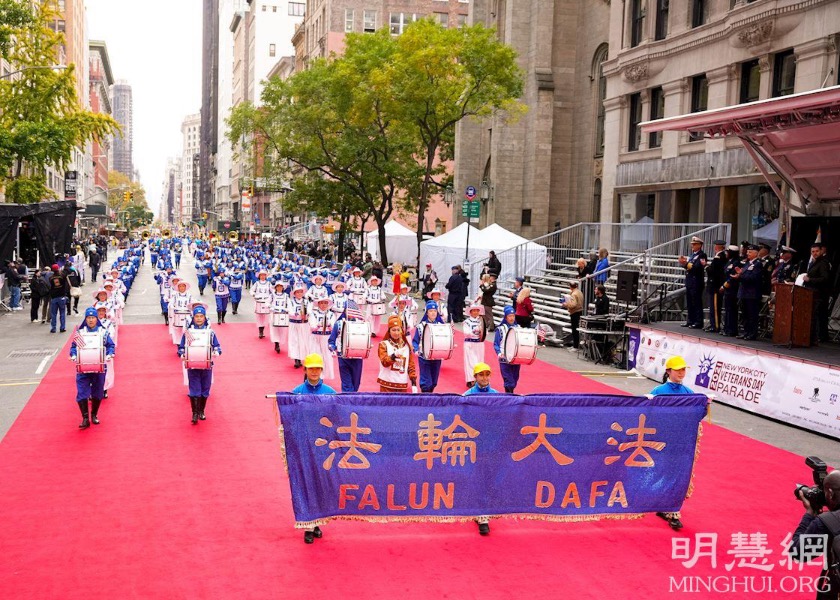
{"x":471,"y":210}
{"x":470,"y":192}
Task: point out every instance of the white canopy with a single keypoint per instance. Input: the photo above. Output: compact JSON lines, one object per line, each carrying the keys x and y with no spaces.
{"x":449,"y":249}
{"x":400,"y":243}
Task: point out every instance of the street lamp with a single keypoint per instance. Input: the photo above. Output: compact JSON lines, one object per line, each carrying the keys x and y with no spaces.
{"x":52,"y":67}
{"x":486,"y":191}
{"x":449,"y":195}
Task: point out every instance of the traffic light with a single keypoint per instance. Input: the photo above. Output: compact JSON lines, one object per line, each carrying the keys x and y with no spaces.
{"x":204,"y":216}
{"x":127,"y":196}
{"x":251,"y":190}
{"x":131,"y":196}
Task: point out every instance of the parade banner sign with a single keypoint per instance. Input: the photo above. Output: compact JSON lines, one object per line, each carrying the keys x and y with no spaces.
{"x":445,"y":457}
{"x":790,"y":390}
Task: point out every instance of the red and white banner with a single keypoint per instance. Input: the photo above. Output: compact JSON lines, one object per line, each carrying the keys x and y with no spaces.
{"x":788,"y":389}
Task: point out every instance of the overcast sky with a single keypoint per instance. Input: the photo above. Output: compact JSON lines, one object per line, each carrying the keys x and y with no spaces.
{"x":155,"y":45}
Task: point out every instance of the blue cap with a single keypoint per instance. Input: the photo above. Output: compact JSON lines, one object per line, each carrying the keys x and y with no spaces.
{"x":509,"y":310}
{"x":520,"y":279}
{"x":432,"y":305}
{"x":199,"y":310}
{"x":91,"y":312}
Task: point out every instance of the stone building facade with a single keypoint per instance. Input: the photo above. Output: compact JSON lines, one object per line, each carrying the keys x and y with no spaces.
{"x":667,"y":59}
{"x":542,"y":171}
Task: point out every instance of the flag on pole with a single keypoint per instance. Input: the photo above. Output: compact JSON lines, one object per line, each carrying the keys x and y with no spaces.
{"x":79,"y":340}
{"x":352,"y":311}
{"x":818,"y":239}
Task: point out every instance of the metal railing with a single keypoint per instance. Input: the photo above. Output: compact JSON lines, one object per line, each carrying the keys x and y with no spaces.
{"x":560,"y":249}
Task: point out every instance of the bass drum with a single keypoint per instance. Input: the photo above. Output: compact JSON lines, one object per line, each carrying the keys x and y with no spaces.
{"x":90,"y":353}
{"x":520,"y":346}
{"x":197,"y":350}
{"x":262,"y":308}
{"x":355,"y":339}
{"x":280,"y":319}
{"x":437,"y":342}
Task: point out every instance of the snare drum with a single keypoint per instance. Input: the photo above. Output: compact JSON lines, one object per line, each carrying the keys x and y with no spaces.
{"x":520,"y":346}
{"x":377,"y":309}
{"x":280,"y":319}
{"x":198,"y":350}
{"x":90,"y":353}
{"x":359,"y":299}
{"x":180,"y":319}
{"x":437,"y":342}
{"x":262,"y":308}
{"x":355,"y":339}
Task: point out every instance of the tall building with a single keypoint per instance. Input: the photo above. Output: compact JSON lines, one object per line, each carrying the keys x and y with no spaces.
{"x":122,"y":157}
{"x":101,"y":79}
{"x":188,"y":207}
{"x":204,"y":197}
{"x":541,"y":172}
{"x":224,"y":152}
{"x":670,"y":59}
{"x":170,"y":198}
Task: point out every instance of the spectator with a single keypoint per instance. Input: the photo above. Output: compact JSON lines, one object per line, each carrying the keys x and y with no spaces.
{"x":582,"y":268}
{"x":602,"y":301}
{"x":59,"y":291}
{"x":573,"y":302}
{"x":586,"y":285}
{"x":378,"y":270}
{"x":430,"y":280}
{"x":74,"y":281}
{"x":493,"y":264}
{"x":488,"y":290}
{"x":405,"y":277}
{"x":457,"y":295}
{"x":79,"y":262}
{"x":13,"y":280}
{"x":602,"y":264}
{"x":39,"y":288}
{"x":94,"y":260}
{"x":524,"y":308}
{"x":367,"y":266}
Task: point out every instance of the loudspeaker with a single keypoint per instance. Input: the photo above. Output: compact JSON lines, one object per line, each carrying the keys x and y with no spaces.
{"x":627,"y":287}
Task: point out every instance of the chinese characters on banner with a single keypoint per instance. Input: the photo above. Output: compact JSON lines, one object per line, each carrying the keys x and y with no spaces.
{"x":410,"y":456}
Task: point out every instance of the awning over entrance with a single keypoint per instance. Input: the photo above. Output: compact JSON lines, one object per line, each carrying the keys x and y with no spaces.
{"x":797,"y":135}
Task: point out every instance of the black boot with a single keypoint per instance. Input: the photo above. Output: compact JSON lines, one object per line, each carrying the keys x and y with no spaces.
{"x":297,"y":364}
{"x":202,"y":404}
{"x":83,"y":406}
{"x":224,"y":315}
{"x":277,"y":347}
{"x":235,"y":307}
{"x":484,"y":528}
{"x":262,"y":335}
{"x":218,"y":317}
{"x":194,"y":406}
{"x":308,"y":537}
{"x":166,"y":318}
{"x":318,"y":533}
{"x":94,"y":410}
{"x":508,"y":390}
{"x":105,"y":394}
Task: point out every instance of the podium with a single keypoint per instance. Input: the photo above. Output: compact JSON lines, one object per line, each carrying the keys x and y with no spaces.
{"x":794,"y":313}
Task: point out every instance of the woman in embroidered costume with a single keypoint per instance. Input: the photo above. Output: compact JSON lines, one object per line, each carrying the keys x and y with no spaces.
{"x":396,"y":359}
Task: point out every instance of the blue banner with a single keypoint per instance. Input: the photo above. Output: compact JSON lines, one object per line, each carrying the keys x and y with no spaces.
{"x":382,"y":457}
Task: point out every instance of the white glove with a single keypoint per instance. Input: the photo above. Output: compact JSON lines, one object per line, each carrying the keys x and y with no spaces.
{"x":109,"y":357}
{"x":413,"y":389}
{"x":72,"y":359}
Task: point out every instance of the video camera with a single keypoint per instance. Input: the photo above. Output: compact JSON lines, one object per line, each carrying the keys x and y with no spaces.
{"x":814,"y":495}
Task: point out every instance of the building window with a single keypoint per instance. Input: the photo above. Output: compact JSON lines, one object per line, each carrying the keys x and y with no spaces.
{"x":369,"y":25}
{"x":273,"y":9}
{"x":348,"y":20}
{"x":637,"y":22}
{"x":784,"y":73}
{"x":699,"y":99}
{"x":443,"y":19}
{"x":596,"y":202}
{"x":399,"y":21}
{"x":750,"y":80}
{"x":634,"y":137}
{"x":526,"y":217}
{"x":263,"y":7}
{"x":297,"y":9}
{"x":600,"y":116}
{"x":657,"y":111}
{"x":462,"y":20}
{"x":272,"y":49}
{"x":661,"y":19}
{"x":699,"y":14}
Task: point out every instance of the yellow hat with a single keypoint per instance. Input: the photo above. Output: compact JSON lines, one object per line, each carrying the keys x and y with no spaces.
{"x":481,"y":368}
{"x":313,"y":360}
{"x":676,"y":362}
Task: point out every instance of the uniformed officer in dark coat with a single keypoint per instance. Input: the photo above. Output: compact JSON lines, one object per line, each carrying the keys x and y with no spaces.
{"x":714,"y":281}
{"x":695,"y":272}
{"x":785,"y":271}
{"x":749,"y":293}
{"x":768,"y":265}
{"x":729,"y":290}
{"x":818,"y":278}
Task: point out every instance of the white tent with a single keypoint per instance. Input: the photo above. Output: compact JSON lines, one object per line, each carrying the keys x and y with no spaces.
{"x":400,"y":243}
{"x":449,"y":249}
{"x":769,"y":233}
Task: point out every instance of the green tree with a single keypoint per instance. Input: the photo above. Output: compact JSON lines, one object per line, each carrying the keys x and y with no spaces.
{"x":436,"y":77}
{"x":41,"y":120}
{"x":330,"y":120}
{"x":118,"y":185}
{"x":15,"y":16}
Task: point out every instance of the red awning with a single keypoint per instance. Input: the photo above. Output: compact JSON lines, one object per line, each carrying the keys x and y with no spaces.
{"x":797,"y":135}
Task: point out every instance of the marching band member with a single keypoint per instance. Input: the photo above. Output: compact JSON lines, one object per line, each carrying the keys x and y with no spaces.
{"x":436,"y":296}
{"x":199,"y":380}
{"x":202,"y":267}
{"x":111,"y":328}
{"x":279,"y":305}
{"x":338,"y":298}
{"x":298,"y":325}
{"x":510,"y":373}
{"x":221,"y":288}
{"x":429,"y":369}
{"x":317,"y":291}
{"x":349,"y":369}
{"x":320,"y":323}
{"x":91,"y":386}
{"x":236,"y":282}
{"x":481,"y":374}
{"x":473,"y":342}
{"x":313,"y":384}
{"x":396,"y":359}
{"x":374,"y":297}
{"x":261,"y":291}
{"x":358,"y":287}
{"x":405,"y":308}
{"x":116,"y":297}
{"x":165,"y":284}
{"x":180,"y":300}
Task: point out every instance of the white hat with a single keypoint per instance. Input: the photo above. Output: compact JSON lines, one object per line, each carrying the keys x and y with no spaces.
{"x":696,"y":240}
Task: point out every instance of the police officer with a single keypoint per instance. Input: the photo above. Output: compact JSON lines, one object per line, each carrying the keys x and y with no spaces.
{"x":715,"y":279}
{"x":750,"y":276}
{"x":729,"y":290}
{"x":694,"y":265}
{"x":768,"y":265}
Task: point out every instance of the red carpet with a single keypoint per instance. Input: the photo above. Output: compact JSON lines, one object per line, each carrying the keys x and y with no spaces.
{"x":146,"y":505}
